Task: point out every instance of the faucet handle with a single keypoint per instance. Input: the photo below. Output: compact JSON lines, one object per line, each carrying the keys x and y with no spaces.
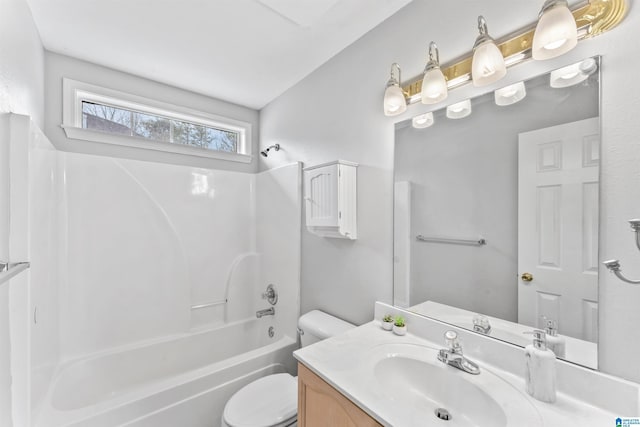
{"x":481,"y":320}
{"x":451,"y":339}
{"x":270,"y":295}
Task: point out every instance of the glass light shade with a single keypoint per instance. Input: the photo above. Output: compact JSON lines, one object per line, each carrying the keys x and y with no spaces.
{"x":434,"y":86}
{"x":573,"y":74}
{"x":487,"y":64}
{"x":394,"y":101}
{"x":556,"y":33}
{"x":459,"y":110}
{"x":510,"y":94}
{"x":422,"y":121}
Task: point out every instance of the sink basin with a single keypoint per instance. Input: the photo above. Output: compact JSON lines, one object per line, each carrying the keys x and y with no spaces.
{"x":420,"y":385}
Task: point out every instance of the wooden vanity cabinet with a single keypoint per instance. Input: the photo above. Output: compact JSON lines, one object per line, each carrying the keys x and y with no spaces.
{"x":321,"y":405}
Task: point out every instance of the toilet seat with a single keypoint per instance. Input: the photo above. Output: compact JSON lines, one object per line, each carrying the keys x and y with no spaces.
{"x":269,"y":401}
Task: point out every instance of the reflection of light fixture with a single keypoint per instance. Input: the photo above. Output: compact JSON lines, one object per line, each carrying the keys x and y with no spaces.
{"x":488,"y":63}
{"x":573,"y":74}
{"x":556,"y":32}
{"x":434,"y":85}
{"x":510,"y":94}
{"x":422,"y":121}
{"x":394,"y":100}
{"x":459,"y":110}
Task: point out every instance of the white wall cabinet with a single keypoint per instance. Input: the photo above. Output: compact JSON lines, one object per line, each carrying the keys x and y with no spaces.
{"x":331,"y":199}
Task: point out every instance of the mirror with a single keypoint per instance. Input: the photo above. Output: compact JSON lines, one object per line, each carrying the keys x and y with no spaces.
{"x":496,"y":213}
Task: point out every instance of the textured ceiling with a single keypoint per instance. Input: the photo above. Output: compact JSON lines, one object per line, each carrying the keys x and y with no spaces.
{"x":243,"y":51}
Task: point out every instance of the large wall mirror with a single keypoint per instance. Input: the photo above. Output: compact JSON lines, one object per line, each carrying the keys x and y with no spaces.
{"x":496,"y":212}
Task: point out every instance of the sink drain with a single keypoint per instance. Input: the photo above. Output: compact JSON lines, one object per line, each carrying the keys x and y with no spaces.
{"x":443,"y":414}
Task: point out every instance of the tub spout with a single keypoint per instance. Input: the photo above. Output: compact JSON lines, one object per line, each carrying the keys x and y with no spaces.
{"x":266,"y":312}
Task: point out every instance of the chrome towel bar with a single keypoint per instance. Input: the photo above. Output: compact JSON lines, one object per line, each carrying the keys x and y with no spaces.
{"x":10,"y":269}
{"x":471,"y":242}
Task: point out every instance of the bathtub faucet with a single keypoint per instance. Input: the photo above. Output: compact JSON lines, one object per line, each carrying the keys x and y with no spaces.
{"x":266,"y":312}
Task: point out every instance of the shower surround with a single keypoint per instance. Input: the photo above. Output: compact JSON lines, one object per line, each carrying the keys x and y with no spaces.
{"x":123,"y":253}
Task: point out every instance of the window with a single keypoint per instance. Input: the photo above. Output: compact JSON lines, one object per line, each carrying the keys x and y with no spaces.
{"x":107,"y":116}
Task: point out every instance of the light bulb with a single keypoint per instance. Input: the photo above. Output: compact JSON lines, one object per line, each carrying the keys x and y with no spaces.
{"x":510,"y":94}
{"x":422,"y":121}
{"x":556,"y":32}
{"x":434,"y":84}
{"x":394,"y":100}
{"x":572,"y":74}
{"x":459,"y":110}
{"x":488,"y":63}
{"x":434,"y":87}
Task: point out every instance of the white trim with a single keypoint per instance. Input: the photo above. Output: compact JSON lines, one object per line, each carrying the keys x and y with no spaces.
{"x":138,"y":142}
{"x":75,"y":92}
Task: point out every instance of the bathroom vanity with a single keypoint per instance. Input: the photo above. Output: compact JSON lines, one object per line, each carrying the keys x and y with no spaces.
{"x":320,"y":404}
{"x":368,"y":376}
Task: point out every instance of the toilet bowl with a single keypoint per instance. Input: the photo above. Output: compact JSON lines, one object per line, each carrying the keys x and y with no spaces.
{"x":272,"y":401}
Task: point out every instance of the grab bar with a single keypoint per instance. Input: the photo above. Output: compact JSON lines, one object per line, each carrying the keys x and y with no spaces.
{"x":209,"y":304}
{"x":10,"y":269}
{"x":473,"y":242}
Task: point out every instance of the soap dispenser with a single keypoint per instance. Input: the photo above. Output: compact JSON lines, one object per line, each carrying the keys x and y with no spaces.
{"x":540,"y":375}
{"x":555,"y":343}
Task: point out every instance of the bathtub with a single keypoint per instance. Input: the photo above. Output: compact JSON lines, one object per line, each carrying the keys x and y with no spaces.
{"x":180,"y":381}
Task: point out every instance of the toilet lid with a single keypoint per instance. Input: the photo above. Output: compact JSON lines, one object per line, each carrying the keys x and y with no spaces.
{"x":269,"y":401}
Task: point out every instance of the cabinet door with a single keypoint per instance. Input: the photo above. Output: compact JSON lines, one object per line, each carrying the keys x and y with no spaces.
{"x":321,"y":196}
{"x":320,"y":405}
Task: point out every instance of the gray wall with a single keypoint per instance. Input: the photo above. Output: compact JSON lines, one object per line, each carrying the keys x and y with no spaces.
{"x":21,"y":91}
{"x":464,"y":176}
{"x":59,"y":66}
{"x":336,"y":112}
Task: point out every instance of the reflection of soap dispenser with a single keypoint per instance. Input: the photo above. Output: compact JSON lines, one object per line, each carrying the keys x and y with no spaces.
{"x":555,"y":342}
{"x":540,"y":375}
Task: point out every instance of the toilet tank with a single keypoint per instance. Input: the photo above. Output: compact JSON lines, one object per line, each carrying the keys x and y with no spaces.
{"x":317,"y":325}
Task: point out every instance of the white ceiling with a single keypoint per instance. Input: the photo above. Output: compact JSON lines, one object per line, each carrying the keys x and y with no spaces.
{"x":243,"y":51}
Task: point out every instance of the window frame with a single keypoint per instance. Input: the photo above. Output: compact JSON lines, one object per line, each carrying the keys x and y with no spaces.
{"x":76,"y":92}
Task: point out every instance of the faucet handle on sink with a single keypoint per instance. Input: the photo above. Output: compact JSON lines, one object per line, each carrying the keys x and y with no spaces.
{"x":451,"y":339}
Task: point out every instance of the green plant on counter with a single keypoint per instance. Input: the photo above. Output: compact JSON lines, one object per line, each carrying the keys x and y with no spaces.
{"x":387,"y":318}
{"x":399,"y":322}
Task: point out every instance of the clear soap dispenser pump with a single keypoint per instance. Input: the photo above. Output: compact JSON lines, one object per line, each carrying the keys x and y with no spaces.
{"x":540,"y":375}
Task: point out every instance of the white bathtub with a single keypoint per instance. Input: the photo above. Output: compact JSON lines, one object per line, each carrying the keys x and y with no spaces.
{"x":182,"y":381}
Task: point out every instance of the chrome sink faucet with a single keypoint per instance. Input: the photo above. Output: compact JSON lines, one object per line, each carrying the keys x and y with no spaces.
{"x":453,"y":356}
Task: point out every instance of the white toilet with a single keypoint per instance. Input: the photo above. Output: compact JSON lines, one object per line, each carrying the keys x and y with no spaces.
{"x":272,"y":401}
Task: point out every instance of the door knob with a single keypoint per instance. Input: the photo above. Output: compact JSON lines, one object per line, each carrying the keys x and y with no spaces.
{"x":526,"y":277}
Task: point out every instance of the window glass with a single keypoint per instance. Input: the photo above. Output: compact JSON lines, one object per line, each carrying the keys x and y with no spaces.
{"x":105,"y":118}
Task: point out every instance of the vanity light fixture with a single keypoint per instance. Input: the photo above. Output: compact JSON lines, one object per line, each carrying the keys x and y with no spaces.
{"x":434,"y":85}
{"x":556,"y":32}
{"x":394,"y":100}
{"x":422,"y":121}
{"x":573,"y":74}
{"x":459,"y":110}
{"x":510,"y":94}
{"x":591,"y":18}
{"x":487,"y":65}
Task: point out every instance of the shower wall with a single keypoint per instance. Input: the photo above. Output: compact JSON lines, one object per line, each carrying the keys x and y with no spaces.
{"x":122,"y":250}
{"x":147,"y":241}
{"x":278,"y":228}
{"x":30,"y":203}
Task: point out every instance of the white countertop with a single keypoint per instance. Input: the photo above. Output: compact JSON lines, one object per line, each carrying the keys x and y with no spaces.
{"x":343,"y":362}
